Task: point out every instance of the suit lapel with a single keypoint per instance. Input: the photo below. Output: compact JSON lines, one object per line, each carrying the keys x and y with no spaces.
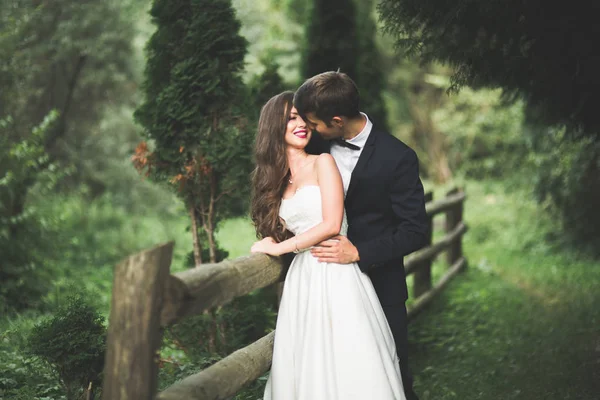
{"x":363,"y":160}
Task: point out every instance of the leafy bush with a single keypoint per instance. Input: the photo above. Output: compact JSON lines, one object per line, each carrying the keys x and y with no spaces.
{"x":567,"y":175}
{"x":22,"y":375}
{"x":24,"y":272}
{"x":24,"y":237}
{"x":73,"y":342}
{"x":485,"y":134}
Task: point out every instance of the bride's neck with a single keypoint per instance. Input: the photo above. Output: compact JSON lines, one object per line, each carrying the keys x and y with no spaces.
{"x":296,"y":159}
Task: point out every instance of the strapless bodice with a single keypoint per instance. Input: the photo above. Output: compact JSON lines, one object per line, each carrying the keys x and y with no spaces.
{"x":303,"y":210}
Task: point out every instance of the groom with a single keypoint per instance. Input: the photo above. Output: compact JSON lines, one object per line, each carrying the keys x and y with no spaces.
{"x":384,"y":201}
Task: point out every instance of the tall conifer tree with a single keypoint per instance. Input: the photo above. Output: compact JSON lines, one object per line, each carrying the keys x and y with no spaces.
{"x":341,"y":35}
{"x":193,"y":112}
{"x":331,"y":38}
{"x":370,"y":79}
{"x":266,"y":85}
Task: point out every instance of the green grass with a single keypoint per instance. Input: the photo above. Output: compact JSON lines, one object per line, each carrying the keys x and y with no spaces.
{"x":95,"y":236}
{"x":236,"y":236}
{"x":522,"y":322}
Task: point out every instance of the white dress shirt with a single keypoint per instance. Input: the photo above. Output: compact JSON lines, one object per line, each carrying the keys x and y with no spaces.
{"x":346,"y":158}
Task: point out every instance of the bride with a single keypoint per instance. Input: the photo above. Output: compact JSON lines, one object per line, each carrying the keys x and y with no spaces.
{"x":332,"y":339}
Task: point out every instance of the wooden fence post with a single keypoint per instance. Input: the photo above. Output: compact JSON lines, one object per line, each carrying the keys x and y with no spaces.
{"x":134,"y":334}
{"x":422,"y":276}
{"x":454,"y":217}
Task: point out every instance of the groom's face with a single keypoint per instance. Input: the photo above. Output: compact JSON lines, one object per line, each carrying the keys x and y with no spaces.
{"x":333,"y":131}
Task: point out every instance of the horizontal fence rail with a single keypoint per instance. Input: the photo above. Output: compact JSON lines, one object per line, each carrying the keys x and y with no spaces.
{"x":415,"y":261}
{"x":147,"y":298}
{"x":225,"y":378}
{"x":214,"y":285}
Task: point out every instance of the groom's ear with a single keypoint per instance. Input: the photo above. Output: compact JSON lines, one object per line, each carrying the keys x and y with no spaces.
{"x":337,"y":121}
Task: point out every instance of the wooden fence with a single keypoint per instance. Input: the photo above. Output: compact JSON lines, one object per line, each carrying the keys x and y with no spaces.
{"x":147,"y":298}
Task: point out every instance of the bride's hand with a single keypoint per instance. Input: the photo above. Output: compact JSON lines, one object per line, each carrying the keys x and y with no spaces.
{"x":268,"y":246}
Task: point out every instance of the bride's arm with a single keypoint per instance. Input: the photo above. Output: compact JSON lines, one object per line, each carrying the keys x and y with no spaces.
{"x":332,"y":199}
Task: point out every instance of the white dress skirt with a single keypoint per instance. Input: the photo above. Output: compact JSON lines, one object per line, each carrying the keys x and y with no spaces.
{"x":332,"y":340}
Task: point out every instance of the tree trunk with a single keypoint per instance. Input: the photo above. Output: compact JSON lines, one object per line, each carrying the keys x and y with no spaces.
{"x":196,"y":240}
{"x":212,"y":244}
{"x":222,"y":326}
{"x":89,"y":393}
{"x":207,"y":216}
{"x":210,"y":219}
{"x":212,"y":332}
{"x":424,"y":99}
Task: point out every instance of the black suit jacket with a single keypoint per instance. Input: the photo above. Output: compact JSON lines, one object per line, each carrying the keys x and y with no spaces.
{"x":385,"y":207}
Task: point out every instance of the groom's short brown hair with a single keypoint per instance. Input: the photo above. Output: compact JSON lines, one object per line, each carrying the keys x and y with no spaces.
{"x":328,"y":95}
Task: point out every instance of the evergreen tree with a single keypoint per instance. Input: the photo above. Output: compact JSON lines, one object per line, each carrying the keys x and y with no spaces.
{"x":193,"y":111}
{"x":266,"y":85}
{"x":370,"y":77}
{"x":331,"y":38}
{"x":341,"y":35}
{"x":297,"y":10}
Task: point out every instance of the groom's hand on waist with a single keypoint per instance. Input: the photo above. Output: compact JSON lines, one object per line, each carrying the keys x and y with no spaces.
{"x":338,"y":250}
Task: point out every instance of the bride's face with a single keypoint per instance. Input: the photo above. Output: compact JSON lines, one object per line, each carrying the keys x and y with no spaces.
{"x":297,"y":134}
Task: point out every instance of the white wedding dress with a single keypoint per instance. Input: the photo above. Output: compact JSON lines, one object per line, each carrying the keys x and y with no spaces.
{"x":332,"y":341}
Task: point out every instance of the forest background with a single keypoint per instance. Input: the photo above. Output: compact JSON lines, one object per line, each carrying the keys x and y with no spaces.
{"x":124,"y":124}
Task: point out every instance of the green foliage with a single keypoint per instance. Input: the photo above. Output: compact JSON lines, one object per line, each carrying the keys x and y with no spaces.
{"x":489,"y":138}
{"x":89,"y":68}
{"x":545,"y":56}
{"x":254,"y":390}
{"x":237,"y":236}
{"x":274,"y":30}
{"x":370,"y":76}
{"x":567,"y":175}
{"x":60,"y":64}
{"x":22,"y":375}
{"x":91,"y":237}
{"x":194,"y":109}
{"x":331,"y":38}
{"x":266,"y":85}
{"x":341,"y":35}
{"x":237,"y":324}
{"x":485,"y":135}
{"x":191,"y":83}
{"x":297,"y":10}
{"x":24,"y":269}
{"x":73,"y":342}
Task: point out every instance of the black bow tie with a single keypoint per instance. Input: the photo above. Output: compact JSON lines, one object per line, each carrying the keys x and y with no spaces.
{"x":344,"y":143}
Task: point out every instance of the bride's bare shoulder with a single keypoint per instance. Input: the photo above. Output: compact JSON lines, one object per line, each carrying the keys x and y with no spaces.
{"x":318,"y":159}
{"x":325,"y":162}
{"x":324,"y":158}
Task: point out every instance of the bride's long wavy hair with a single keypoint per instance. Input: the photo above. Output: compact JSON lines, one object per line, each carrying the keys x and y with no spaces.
{"x":272,"y":171}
